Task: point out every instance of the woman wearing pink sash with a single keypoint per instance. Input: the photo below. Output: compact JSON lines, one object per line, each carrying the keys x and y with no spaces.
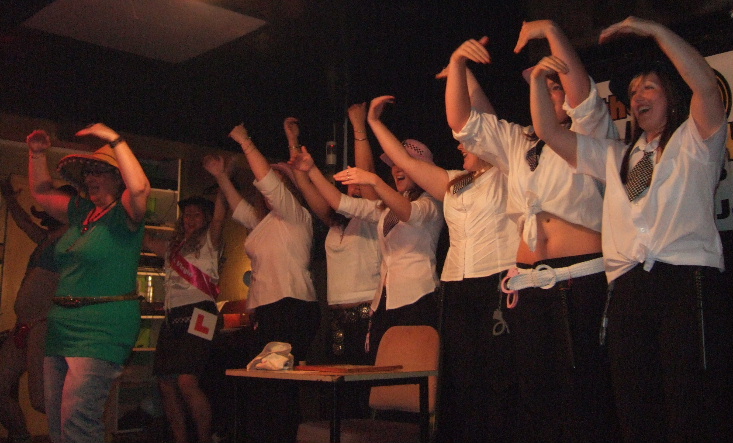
{"x":191,"y":288}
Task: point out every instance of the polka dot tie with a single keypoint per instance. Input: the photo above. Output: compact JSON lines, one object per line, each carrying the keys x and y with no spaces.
{"x":640,"y":176}
{"x":462,"y":183}
{"x":390,"y":220}
{"x":533,"y":155}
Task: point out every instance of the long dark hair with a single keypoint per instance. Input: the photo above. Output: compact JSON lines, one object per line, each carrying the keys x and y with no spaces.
{"x":678,"y":97}
{"x":678,"y":106}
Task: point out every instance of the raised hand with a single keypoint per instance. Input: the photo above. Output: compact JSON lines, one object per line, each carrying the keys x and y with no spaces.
{"x":628,"y":26}
{"x":214,"y":165}
{"x":38,"y":141}
{"x":443,"y":73}
{"x":474,"y":50}
{"x":356,"y":176}
{"x":301,"y":161}
{"x":532,"y":30}
{"x":377,"y":106}
{"x":239,"y":134}
{"x":549,"y":65}
{"x":292,"y":130}
{"x":99,"y":130}
{"x":357,"y":113}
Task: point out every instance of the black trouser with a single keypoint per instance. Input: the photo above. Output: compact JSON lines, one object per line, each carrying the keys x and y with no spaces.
{"x":476,"y":391}
{"x":562,"y":371}
{"x":671,"y":360}
{"x":272,"y":407}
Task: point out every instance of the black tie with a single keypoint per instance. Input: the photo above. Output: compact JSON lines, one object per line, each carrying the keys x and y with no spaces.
{"x":533,"y":155}
{"x":640,"y":176}
{"x":462,"y":183}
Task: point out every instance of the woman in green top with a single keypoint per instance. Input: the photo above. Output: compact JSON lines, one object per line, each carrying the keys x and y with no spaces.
{"x":94,"y":322}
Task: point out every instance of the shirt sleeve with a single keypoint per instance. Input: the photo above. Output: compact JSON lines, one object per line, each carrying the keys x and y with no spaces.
{"x":487,"y":137}
{"x":424,"y":209}
{"x":710,"y":150}
{"x":283,"y":201}
{"x":592,"y":117}
{"x":245,"y":214}
{"x":368,"y":210}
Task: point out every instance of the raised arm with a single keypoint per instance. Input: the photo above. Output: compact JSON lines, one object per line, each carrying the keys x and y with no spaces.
{"x":137,"y":187}
{"x":257,"y":162}
{"x":706,"y":106}
{"x":431,"y":178}
{"x":301,"y":162}
{"x":216,"y":227}
{"x":54,"y":202}
{"x":216,"y":166}
{"x":292,"y":133}
{"x":395,"y":201}
{"x":562,"y":140}
{"x":36,"y":233}
{"x":457,"y":91}
{"x":575,"y":81}
{"x":310,"y":193}
{"x":363,"y":157}
{"x":479,"y":101}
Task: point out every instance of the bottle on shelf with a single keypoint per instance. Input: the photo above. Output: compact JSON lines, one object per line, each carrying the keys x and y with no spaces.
{"x":149,"y":292}
{"x":330,"y":168}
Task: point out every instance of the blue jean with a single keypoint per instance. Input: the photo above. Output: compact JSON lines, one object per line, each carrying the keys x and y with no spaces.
{"x":76,"y":391}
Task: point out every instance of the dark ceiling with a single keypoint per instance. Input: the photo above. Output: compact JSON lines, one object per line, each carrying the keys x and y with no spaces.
{"x":311,"y":59}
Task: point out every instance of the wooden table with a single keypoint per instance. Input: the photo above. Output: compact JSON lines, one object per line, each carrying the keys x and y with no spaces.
{"x":338,"y":380}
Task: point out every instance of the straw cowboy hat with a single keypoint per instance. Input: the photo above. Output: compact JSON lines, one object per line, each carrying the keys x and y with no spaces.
{"x":72,"y":167}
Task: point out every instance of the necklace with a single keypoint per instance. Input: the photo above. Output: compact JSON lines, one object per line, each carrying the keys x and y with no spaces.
{"x":92,"y":217}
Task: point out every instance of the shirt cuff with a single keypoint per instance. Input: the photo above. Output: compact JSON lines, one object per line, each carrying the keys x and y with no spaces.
{"x":470,"y":129}
{"x":586,"y":106}
{"x":269,"y":182}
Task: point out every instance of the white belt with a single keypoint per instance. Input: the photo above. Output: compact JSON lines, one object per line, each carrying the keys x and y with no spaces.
{"x":545,"y":277}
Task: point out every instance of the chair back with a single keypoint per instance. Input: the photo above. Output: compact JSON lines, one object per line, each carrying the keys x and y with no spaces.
{"x":416,"y":348}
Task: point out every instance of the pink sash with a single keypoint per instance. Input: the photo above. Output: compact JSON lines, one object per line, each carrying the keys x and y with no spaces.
{"x":192,"y":274}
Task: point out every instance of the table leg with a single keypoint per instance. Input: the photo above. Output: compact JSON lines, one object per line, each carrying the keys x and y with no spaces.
{"x":336,"y":413}
{"x":236,"y":410}
{"x":424,"y":412}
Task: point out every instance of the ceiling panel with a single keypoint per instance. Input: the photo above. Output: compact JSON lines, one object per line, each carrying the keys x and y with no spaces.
{"x":168,"y":30}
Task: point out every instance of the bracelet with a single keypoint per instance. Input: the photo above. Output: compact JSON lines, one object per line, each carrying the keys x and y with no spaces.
{"x":360,"y":132}
{"x":32,"y":154}
{"x":247,"y":143}
{"x":360,"y":139}
{"x":113,"y":144}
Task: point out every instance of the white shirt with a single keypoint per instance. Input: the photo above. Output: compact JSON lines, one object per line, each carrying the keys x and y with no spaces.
{"x":553,"y":187}
{"x":408,"y":252}
{"x":279,"y":246}
{"x":675,"y":221}
{"x":353,"y":259}
{"x":178,"y":291}
{"x":483,"y":239}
